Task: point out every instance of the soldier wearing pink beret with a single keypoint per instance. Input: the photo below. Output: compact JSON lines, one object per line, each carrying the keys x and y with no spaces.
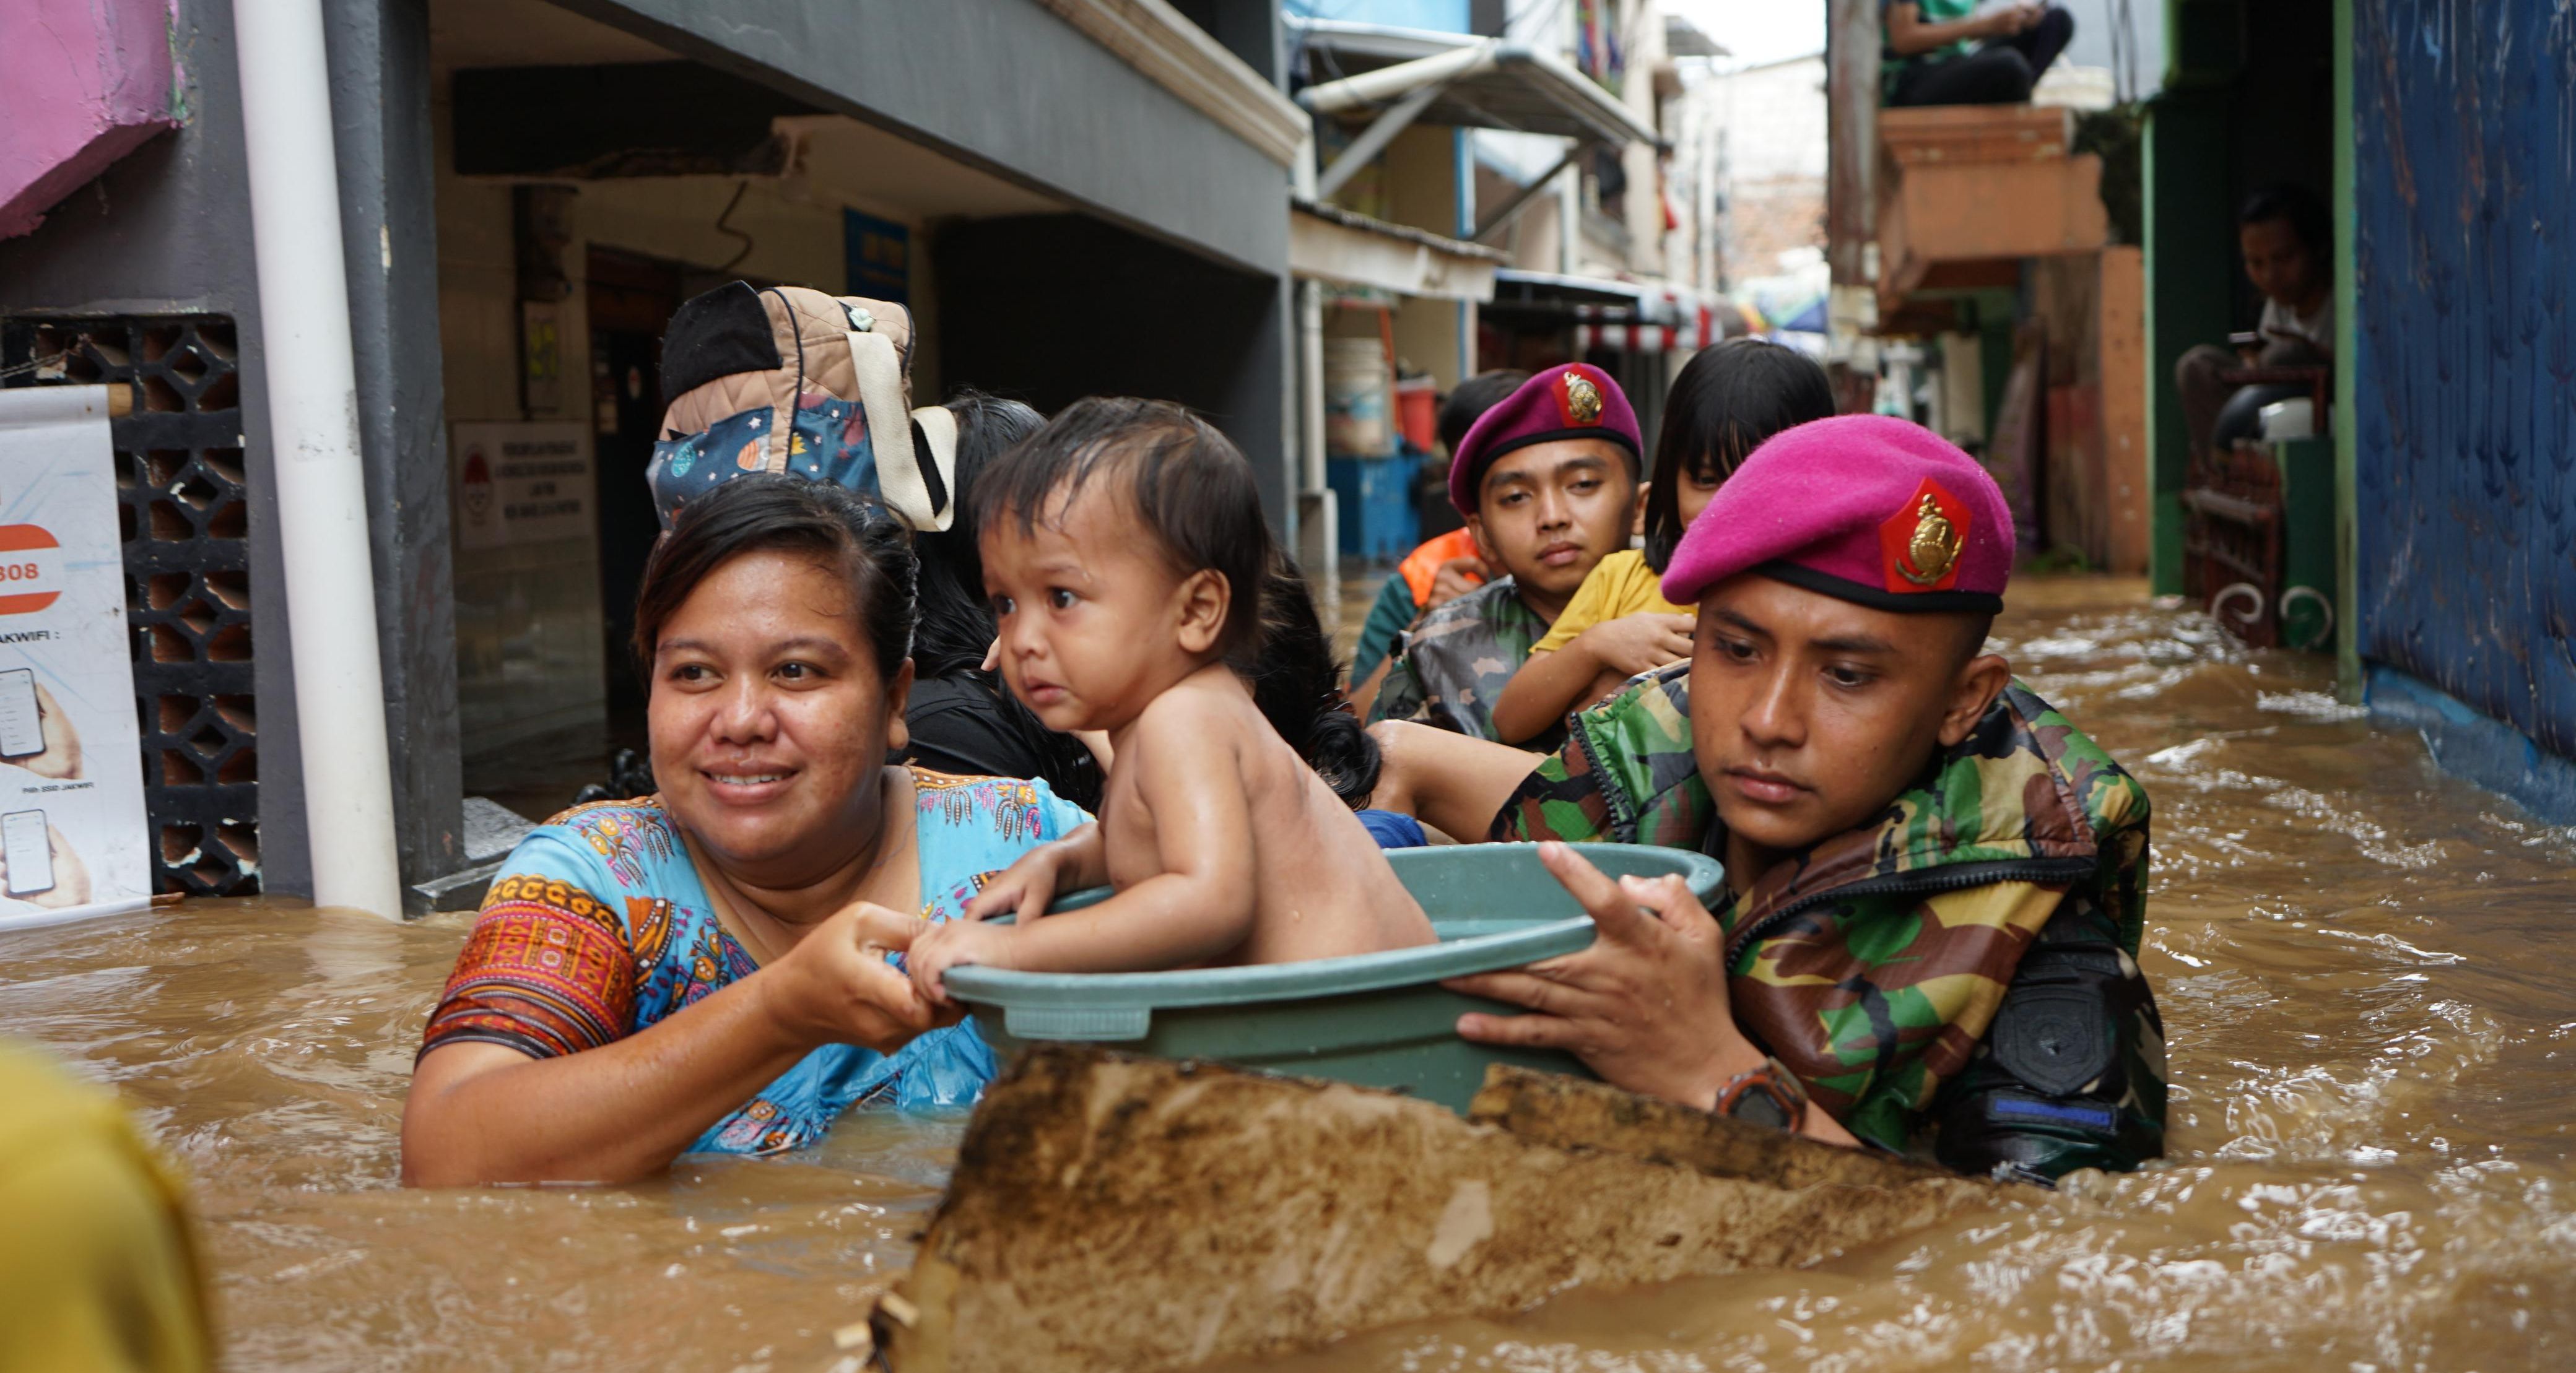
{"x":1936,"y":882}
{"x":1547,"y":480}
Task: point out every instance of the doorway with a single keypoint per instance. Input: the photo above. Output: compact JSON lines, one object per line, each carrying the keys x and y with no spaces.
{"x":631,"y":299}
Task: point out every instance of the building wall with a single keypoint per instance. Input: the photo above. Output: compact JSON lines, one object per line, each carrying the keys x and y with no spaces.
{"x":530,"y":620}
{"x":2465,"y":504}
{"x":166,"y":230}
{"x":1771,"y":119}
{"x":1441,"y":16}
{"x":1004,"y":85}
{"x":1052,"y":308}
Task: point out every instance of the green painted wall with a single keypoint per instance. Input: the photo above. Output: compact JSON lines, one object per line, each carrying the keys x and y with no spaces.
{"x":2190,"y":261}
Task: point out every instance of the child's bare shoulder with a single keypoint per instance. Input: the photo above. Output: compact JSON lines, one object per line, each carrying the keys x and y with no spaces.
{"x":1193,"y":707}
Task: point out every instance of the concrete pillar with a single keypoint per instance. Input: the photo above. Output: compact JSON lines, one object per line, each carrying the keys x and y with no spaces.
{"x":380,"y":89}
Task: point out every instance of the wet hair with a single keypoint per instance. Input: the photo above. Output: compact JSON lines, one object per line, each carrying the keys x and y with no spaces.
{"x":1726,"y":401}
{"x":1297,"y":684}
{"x":765,"y":512}
{"x":1475,"y":396}
{"x":1188,"y":485}
{"x":956,"y":618}
{"x":2300,"y":207}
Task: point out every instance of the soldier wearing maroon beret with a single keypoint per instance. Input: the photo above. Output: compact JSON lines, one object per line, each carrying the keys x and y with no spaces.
{"x":1936,"y":883}
{"x":1547,"y":481}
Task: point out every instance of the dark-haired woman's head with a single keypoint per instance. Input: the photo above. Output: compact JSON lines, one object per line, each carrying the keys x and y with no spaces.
{"x":1726,"y":401}
{"x":1297,"y":685}
{"x":1475,"y":396}
{"x":774,"y":629}
{"x":956,"y":618}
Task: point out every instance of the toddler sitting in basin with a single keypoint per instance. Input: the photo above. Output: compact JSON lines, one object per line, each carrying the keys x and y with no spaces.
{"x":1124,"y":549}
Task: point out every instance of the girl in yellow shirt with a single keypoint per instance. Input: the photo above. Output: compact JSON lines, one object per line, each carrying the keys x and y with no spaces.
{"x":1726,"y":401}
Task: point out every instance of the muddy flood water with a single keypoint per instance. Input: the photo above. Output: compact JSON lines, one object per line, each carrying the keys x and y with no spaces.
{"x":2367,"y":971}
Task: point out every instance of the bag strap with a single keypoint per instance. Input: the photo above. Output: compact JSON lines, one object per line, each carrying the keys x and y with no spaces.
{"x":939,"y":431}
{"x":899,"y":479}
{"x":775,"y":445}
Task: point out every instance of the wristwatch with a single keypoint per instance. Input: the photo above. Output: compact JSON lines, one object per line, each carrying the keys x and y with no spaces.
{"x":1769,"y":1095}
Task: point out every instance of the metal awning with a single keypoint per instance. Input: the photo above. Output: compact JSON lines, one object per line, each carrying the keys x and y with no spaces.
{"x":1481,"y":83}
{"x":1486,"y":84}
{"x":1329,"y":243}
{"x":1621,"y":316}
{"x":1408,"y":76}
{"x":1556,"y":288}
{"x":1347,"y":47}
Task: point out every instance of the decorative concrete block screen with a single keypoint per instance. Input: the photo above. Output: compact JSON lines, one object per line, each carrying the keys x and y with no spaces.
{"x":184,"y":506}
{"x":2466,"y":240}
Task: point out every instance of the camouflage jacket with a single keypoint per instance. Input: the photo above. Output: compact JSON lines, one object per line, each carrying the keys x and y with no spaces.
{"x":1965,"y":966}
{"x":1451,"y":668}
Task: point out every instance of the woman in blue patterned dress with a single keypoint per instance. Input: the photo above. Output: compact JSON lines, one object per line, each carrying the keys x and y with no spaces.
{"x":706,"y":969}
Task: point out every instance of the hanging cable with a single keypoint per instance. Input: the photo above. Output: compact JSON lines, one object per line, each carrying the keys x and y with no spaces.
{"x":730,"y":232}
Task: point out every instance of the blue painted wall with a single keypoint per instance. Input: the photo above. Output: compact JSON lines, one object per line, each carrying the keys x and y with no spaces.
{"x":1444,"y":16}
{"x":2465,"y":207}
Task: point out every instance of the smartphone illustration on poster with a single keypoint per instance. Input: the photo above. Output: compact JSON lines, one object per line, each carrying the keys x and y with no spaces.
{"x":29,"y":854}
{"x":22,"y":727}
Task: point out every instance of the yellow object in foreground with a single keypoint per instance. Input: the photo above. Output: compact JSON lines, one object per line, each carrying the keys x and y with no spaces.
{"x":97,"y":1267}
{"x":1619,"y":585}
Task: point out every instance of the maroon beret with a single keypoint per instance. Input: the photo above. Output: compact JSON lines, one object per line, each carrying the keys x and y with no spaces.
{"x":1575,"y":401}
{"x":1864,"y":508}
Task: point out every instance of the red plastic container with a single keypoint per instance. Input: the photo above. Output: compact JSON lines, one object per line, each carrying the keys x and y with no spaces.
{"x":1417,"y":412}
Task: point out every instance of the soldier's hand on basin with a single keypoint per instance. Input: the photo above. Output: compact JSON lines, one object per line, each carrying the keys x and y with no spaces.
{"x":1645,"y":1007}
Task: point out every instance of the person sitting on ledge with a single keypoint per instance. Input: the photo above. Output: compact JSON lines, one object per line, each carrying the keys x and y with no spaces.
{"x":1942,"y":52}
{"x":1936,"y":883}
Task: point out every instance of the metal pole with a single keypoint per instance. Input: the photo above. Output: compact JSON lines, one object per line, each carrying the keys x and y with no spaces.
{"x":1511,"y":209}
{"x":1374,"y":139}
{"x":1851,"y":122}
{"x":313,"y":429}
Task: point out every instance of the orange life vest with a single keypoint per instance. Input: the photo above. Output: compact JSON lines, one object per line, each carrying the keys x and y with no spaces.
{"x":1423,"y":564}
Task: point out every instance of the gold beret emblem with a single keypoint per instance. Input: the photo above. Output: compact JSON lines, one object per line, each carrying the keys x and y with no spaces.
{"x":1934,"y":547}
{"x":1582,"y":399}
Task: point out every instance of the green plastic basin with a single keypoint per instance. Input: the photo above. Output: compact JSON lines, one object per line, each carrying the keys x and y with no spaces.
{"x":1378,"y":1020}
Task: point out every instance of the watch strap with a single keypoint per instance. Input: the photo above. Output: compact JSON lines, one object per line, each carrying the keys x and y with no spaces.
{"x":1767,"y":1095}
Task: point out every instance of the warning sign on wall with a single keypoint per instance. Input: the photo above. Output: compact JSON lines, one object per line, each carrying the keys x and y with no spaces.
{"x":522,"y":483}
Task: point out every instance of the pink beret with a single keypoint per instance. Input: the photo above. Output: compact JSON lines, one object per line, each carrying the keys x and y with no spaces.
{"x":1575,"y":401}
{"x":1864,"y":508}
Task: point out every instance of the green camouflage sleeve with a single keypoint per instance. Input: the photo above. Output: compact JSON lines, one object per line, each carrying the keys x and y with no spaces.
{"x":1399,"y":697}
{"x":1625,"y":775}
{"x":1560,"y":799}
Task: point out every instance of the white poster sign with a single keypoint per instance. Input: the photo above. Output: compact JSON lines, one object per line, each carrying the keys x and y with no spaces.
{"x":74,"y":834}
{"x":520,"y":483}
